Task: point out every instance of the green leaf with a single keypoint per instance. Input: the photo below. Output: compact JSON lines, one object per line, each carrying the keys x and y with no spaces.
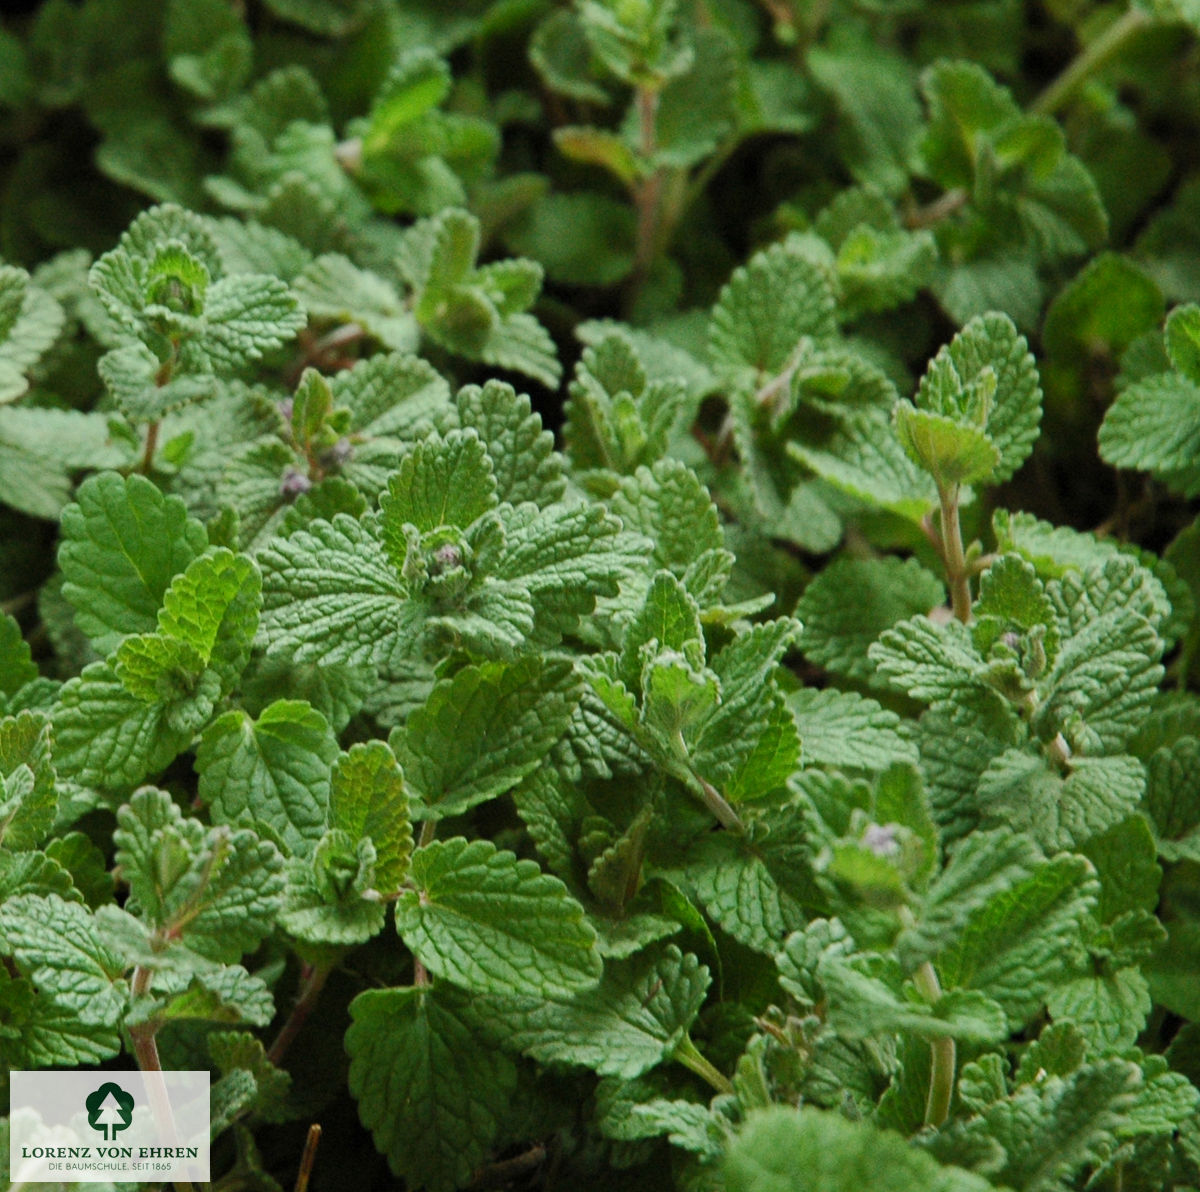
{"x":1060,"y":811}
{"x":217,"y":889}
{"x":1106,"y":674}
{"x":1105,"y":307}
{"x":639,"y":43}
{"x":1108,"y":1009}
{"x":329,"y":594}
{"x":273,"y":769}
{"x":632,"y":1020}
{"x":1050,"y":1129}
{"x":57,"y":945}
{"x":440,"y":482}
{"x":984,"y":865}
{"x":335,"y":290}
{"x":247,"y":316}
{"x":107,"y":737}
{"x":367,"y":799}
{"x":950,"y":452}
{"x":16,"y":660}
{"x":28,"y":799}
{"x":1154,"y":425}
{"x":583,"y":238}
{"x":696,"y":109}
{"x":1173,"y":799}
{"x":878,"y":116}
{"x":491,"y":923}
{"x":814,"y":1150}
{"x":123,"y":544}
{"x":482,"y":731}
{"x":986,"y":378}
{"x":768,"y":309}
{"x":525,"y":466}
{"x":929,"y":661}
{"x":758,"y":888}
{"x":331,"y":898}
{"x":427,"y":1088}
{"x":1182,"y":337}
{"x":866,"y":999}
{"x":837,"y":632}
{"x":30,"y":322}
{"x":1017,"y":946}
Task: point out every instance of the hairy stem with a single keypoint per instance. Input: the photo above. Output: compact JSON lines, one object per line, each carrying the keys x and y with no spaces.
{"x":710,"y":796}
{"x":312,"y":981}
{"x":953,"y":556}
{"x":145,"y":1050}
{"x":150,"y":448}
{"x":688,"y":1054}
{"x":1094,"y":56}
{"x":940,"y":209}
{"x":942,"y":1054}
{"x":647,"y":195}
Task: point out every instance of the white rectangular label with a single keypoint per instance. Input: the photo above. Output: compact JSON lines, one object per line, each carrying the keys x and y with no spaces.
{"x":120,"y":1127}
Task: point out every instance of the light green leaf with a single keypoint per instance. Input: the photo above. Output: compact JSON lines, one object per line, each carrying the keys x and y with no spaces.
{"x":246,"y":316}
{"x":769,"y":308}
{"x":866,"y":999}
{"x":525,"y":466}
{"x":367,"y":799}
{"x":848,"y":731}
{"x":838,"y":632}
{"x":28,"y":799}
{"x":984,"y":865}
{"x":123,"y":543}
{"x":491,"y":923}
{"x":329,"y":594}
{"x":1173,"y":799}
{"x":1154,"y":425}
{"x":440,"y":482}
{"x":759,"y":888}
{"x":218,"y":890}
{"x":1050,"y":1129}
{"x":1017,"y":946}
{"x":213,"y":607}
{"x":1108,"y":1009}
{"x":432,"y":1094}
{"x":1060,"y":811}
{"x":56,"y":944}
{"x":814,"y":1150}
{"x":482,"y":731}
{"x":949,"y":451}
{"x":274,"y":768}
{"x":928,"y":661}
{"x":632,"y":1020}
{"x":107,"y":737}
{"x":334,"y":289}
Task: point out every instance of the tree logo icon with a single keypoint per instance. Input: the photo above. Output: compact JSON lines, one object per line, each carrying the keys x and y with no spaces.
{"x":109,"y":1109}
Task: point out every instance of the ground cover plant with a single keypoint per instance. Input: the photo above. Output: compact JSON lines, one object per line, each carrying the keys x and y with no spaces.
{"x":608,"y":593}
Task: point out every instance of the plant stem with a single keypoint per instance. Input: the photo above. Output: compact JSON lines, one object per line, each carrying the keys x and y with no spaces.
{"x":145,"y":1050}
{"x":312,"y":981}
{"x":1095,"y":55}
{"x":308,"y":1157}
{"x":942,"y":208}
{"x":151,"y":447}
{"x":689,"y":1056}
{"x":710,"y":796}
{"x":942,"y":1054}
{"x":953,"y":555}
{"x":647,"y":195}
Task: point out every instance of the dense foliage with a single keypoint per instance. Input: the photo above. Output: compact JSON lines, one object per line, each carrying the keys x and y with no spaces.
{"x":764,"y":757}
